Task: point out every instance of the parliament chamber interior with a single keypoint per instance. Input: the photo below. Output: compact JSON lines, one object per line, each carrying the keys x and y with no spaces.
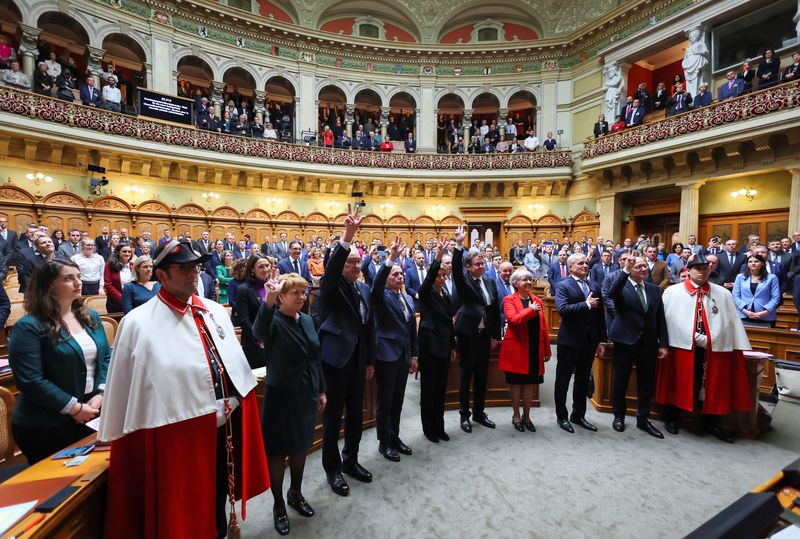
{"x":244,"y":236}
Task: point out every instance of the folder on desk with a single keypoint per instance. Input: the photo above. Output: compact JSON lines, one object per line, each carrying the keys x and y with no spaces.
{"x":14,"y":493}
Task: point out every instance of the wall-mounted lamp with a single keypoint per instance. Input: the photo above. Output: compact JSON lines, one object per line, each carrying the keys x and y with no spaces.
{"x":209,"y":196}
{"x":748,"y":193}
{"x":535,"y":207}
{"x":332,"y":206}
{"x":274,"y":202}
{"x":38,"y":177}
{"x":437,"y":209}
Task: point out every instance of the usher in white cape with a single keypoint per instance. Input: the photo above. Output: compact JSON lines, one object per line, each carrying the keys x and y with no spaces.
{"x":159,"y":374}
{"x":725,"y":328}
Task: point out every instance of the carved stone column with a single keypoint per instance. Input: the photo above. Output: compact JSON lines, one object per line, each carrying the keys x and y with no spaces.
{"x":610,"y":209}
{"x":28,"y":39}
{"x":349,"y":118}
{"x":794,"y":202}
{"x":690,"y":208}
{"x":502,"y":114}
{"x":217,"y":88}
{"x":258,"y":106}
{"x":466,"y":123}
{"x":384,"y":121}
{"x":94,"y":63}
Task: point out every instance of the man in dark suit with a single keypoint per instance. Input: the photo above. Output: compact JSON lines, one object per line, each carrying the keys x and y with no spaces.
{"x":581,"y":335}
{"x":293,"y":264}
{"x":768,"y":72}
{"x":206,"y":287}
{"x":639,"y":334}
{"x":345,"y":333}
{"x":281,"y":248}
{"x":658,"y":272}
{"x":166,"y":238}
{"x":504,"y":288}
{"x":600,"y":271}
{"x":8,"y":238}
{"x":643,"y":96}
{"x":31,"y":258}
{"x":371,"y":265}
{"x":396,"y":352}
{"x":729,"y":263}
{"x":713,"y":267}
{"x":415,"y":275}
{"x":477,"y":328}
{"x":410,"y":144}
{"x":778,"y":262}
{"x":713,"y":248}
{"x":90,"y":96}
{"x":267,"y":248}
{"x":202,"y":245}
{"x":733,"y":87}
{"x":681,"y":101}
{"x":101,"y":243}
{"x":626,"y":109}
{"x":636,"y":114}
{"x":240,"y":251}
{"x":795,"y":245}
{"x":557,"y":271}
{"x":449,"y":282}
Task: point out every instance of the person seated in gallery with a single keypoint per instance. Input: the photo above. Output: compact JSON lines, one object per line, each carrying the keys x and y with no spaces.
{"x":618,"y":124}
{"x":731,"y":88}
{"x":601,"y":126}
{"x":15,"y":78}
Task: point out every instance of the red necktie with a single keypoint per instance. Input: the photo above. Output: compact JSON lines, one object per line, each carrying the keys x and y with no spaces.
{"x":563,"y":271}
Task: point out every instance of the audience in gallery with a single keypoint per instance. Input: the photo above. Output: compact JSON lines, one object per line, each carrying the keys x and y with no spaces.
{"x":601,"y":126}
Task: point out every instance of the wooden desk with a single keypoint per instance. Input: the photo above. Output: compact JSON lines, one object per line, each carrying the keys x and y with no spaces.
{"x":496,"y":386}
{"x":82,"y":514}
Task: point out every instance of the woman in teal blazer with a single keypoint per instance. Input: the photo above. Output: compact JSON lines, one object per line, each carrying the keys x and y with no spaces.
{"x":59,"y":358}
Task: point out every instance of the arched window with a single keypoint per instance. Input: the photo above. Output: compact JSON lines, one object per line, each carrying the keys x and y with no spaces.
{"x":487,"y":34}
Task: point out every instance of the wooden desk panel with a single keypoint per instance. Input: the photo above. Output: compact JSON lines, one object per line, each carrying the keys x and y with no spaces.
{"x":496,"y":386}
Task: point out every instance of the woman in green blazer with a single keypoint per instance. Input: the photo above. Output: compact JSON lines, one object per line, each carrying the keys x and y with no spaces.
{"x":59,"y":358}
{"x":224,"y":276}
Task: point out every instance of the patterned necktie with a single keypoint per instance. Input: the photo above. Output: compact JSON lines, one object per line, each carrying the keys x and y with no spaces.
{"x":403,"y":304}
{"x":584,"y":288}
{"x":640,"y":291}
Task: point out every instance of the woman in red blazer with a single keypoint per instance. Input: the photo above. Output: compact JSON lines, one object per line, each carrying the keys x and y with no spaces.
{"x":116,"y":275}
{"x":525,"y":347}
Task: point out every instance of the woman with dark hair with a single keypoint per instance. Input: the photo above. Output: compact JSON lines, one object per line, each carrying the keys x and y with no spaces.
{"x":757,"y":294}
{"x":677,"y":79}
{"x":249,"y":297}
{"x":237,"y":279}
{"x":141,"y":288}
{"x":58,"y":239}
{"x":677,"y":249}
{"x":768,"y":72}
{"x":59,"y":358}
{"x":118,"y":273}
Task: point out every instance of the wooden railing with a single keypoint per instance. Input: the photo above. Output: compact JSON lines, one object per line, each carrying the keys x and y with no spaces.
{"x":54,"y":110}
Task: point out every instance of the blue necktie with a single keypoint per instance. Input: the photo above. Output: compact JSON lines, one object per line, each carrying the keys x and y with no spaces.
{"x":584,"y":288}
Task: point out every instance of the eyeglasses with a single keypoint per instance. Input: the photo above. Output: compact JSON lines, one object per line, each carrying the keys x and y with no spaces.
{"x":187,"y":269}
{"x":301,"y":293}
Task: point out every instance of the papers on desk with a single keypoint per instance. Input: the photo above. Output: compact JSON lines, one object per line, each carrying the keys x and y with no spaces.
{"x":260,"y":373}
{"x":94,"y":424}
{"x":791,"y":532}
{"x":757,"y":355}
{"x":14,"y":513}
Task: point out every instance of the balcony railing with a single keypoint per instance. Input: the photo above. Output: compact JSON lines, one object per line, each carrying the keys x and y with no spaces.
{"x":54,"y":110}
{"x":778,"y":98}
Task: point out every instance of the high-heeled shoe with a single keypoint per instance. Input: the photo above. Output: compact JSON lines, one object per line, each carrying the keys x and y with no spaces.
{"x":281,"y":522}
{"x":529,"y":425}
{"x":518,"y":425}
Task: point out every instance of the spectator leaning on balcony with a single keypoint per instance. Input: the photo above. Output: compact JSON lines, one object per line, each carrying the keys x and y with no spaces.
{"x":7,"y":53}
{"x":65,"y":83}
{"x":410,"y":144}
{"x":733,"y":87}
{"x":601,"y":126}
{"x":643,"y":96}
{"x":550,"y":143}
{"x":746,"y":75}
{"x":42,"y":81}
{"x":635,"y":114}
{"x":661,"y":96}
{"x":768,"y":71}
{"x":16,"y":78}
{"x":627,"y":108}
{"x":703,"y":97}
{"x":111,"y":95}
{"x":270,"y":133}
{"x":257,"y":128}
{"x":210,"y":122}
{"x":242,"y":127}
{"x":680,"y":101}
{"x":386,"y":145}
{"x":53,"y":67}
{"x":531,"y":143}
{"x":618,"y":124}
{"x":201,"y":112}
{"x":793,"y":71}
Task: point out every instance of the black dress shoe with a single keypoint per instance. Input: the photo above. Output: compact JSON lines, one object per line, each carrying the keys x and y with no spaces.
{"x":529,"y":425}
{"x":466,"y":426}
{"x":564,"y":424}
{"x":583,"y":423}
{"x":650,"y":429}
{"x":432,"y":438}
{"x":388,"y":453}
{"x":444,"y":437}
{"x":281,"y":523}
{"x":400,"y":447}
{"x":618,"y":424}
{"x":338,"y":484}
{"x":357,"y":471}
{"x":672,"y":427}
{"x":518,"y":425}
{"x":301,"y":506}
{"x":719,"y":434}
{"x":485,"y":421}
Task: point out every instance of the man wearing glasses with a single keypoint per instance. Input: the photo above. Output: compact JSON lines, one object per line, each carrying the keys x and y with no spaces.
{"x":180,"y":412}
{"x":91,"y":265}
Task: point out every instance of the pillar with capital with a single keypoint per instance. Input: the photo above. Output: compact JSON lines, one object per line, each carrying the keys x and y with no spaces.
{"x":28,"y":40}
{"x":466,"y":123}
{"x":349,"y":118}
{"x":690,"y":208}
{"x":610,"y":209}
{"x":258,"y":106}
{"x":384,"y":121}
{"x":94,"y":63}
{"x":502,"y":115}
{"x":794,"y":202}
{"x":217,"y":89}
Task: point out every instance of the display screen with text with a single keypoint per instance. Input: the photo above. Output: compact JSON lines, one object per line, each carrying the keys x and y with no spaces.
{"x":165,"y":107}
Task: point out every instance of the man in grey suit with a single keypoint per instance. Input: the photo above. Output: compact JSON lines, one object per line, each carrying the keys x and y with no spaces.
{"x":70,"y":248}
{"x":8,"y":238}
{"x":281,"y":248}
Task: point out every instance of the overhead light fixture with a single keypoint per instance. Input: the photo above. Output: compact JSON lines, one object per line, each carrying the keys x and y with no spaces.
{"x":209,"y":196}
{"x":535,"y":207}
{"x":133,"y":189}
{"x":38,"y":177}
{"x":748,"y":193}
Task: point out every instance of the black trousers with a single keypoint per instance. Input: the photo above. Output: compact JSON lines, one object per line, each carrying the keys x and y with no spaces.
{"x":391,"y":378}
{"x":345,"y":394}
{"x":643,"y":353}
{"x":38,"y":443}
{"x":433,"y":385}
{"x":90,"y":289}
{"x":473,"y":352}
{"x":578,"y":360}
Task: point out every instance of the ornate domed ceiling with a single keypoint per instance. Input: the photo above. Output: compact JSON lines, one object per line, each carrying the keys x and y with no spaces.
{"x":427,"y":21}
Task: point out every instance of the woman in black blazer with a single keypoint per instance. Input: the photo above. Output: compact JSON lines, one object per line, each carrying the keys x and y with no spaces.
{"x":437,"y":343}
{"x":294,"y":390}
{"x":249,"y":297}
{"x":601,"y":127}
